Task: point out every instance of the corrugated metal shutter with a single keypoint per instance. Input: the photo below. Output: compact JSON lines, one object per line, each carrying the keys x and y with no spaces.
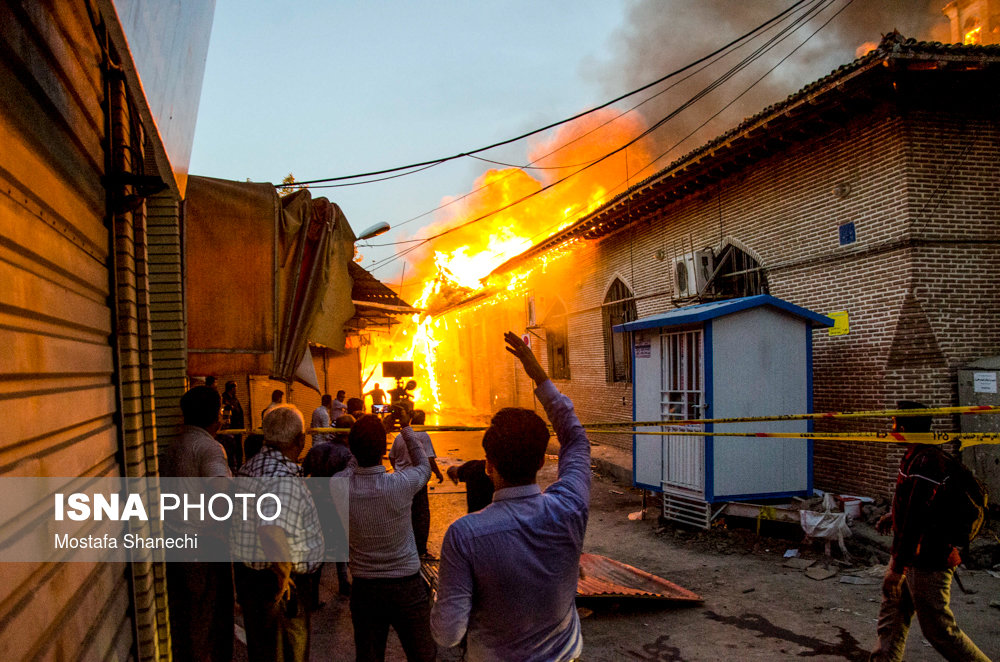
{"x":57,"y":397}
{"x":166,"y":313}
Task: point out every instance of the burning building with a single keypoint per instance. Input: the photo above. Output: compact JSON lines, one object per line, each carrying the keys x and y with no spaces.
{"x":869,"y":195}
{"x":974,"y":21}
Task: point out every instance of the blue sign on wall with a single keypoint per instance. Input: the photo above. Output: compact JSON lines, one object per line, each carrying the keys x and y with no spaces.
{"x":847,"y":235}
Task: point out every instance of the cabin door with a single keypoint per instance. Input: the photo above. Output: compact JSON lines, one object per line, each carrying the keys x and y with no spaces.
{"x":682,"y":397}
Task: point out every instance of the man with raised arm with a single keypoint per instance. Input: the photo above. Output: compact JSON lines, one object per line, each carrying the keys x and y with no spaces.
{"x":509,"y":572}
{"x":387,"y":589}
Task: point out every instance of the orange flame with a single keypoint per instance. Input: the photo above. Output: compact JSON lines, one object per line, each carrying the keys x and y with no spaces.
{"x":456,"y":265}
{"x":865,"y":49}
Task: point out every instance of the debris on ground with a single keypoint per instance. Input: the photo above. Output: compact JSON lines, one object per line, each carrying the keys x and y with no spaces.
{"x":860,"y":581}
{"x":799,"y":563}
{"x":603,"y":577}
{"x":819,"y":573}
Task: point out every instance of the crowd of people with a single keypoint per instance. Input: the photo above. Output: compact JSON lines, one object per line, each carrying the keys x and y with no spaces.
{"x":518,"y":543}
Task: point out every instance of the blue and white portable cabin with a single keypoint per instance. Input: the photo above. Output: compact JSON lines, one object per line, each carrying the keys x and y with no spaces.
{"x":743,"y":357}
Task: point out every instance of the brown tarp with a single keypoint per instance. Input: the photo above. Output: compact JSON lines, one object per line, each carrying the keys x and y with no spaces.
{"x":253,"y":259}
{"x":316,"y":246}
{"x":229,"y":234}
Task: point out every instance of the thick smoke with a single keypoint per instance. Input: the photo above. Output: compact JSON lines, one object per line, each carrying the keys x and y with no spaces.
{"x":660,"y":36}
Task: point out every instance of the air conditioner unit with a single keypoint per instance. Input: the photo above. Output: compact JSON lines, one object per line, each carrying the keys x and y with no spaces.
{"x":691,"y":273}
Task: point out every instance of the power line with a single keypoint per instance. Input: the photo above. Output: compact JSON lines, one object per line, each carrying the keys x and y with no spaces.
{"x":754,"y":84}
{"x":712,"y":86}
{"x":433,"y":162}
{"x":705,"y":64}
{"x":817,"y":7}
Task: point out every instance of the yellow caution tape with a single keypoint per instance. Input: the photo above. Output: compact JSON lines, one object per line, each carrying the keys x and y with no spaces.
{"x":931,"y":438}
{"x":419,"y":428}
{"x":967,"y":439}
{"x":900,"y":413}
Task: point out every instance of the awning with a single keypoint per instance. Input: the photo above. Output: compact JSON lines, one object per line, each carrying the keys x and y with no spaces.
{"x":374,"y":303}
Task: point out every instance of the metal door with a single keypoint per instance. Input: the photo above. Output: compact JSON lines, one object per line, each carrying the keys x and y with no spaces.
{"x":682,"y":396}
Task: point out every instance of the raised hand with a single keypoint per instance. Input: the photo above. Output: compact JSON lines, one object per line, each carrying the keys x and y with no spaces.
{"x":402,"y":415}
{"x":527,"y":358}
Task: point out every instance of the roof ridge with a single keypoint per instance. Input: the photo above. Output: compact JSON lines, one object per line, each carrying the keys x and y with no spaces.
{"x":893,"y":45}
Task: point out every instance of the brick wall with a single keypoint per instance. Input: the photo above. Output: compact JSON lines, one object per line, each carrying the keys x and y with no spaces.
{"x":919,"y":283}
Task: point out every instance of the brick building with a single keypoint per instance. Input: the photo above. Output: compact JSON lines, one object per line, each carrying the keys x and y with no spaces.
{"x":873,"y":193}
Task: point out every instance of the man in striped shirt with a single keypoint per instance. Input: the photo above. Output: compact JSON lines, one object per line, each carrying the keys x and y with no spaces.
{"x":278,"y":554}
{"x":387,"y":588}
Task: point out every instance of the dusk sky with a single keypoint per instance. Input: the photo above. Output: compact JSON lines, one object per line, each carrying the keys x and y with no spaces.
{"x":324,"y":89}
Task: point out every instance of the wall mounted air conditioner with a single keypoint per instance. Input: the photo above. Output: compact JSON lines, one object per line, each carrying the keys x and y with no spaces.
{"x":691,"y":273}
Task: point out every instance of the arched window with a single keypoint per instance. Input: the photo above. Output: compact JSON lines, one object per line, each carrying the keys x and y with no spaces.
{"x":618,"y":308}
{"x":557,"y":342}
{"x":737,"y":273}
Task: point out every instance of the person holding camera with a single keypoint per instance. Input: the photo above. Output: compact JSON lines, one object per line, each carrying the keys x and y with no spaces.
{"x":399,"y":458}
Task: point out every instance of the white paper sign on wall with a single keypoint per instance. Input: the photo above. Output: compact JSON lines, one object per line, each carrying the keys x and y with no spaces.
{"x":984,"y":382}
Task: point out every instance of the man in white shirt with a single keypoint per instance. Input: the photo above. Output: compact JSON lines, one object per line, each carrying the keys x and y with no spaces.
{"x":399,"y":458}
{"x":200,"y":592}
{"x":321,"y":418}
{"x":339,"y":405}
{"x":387,"y":589}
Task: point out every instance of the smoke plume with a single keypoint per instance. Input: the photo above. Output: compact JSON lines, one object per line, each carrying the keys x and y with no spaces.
{"x":661,"y":36}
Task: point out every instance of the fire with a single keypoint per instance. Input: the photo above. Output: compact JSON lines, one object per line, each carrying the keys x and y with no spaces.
{"x":865,"y":48}
{"x":456,"y":266}
{"x":974,"y":36}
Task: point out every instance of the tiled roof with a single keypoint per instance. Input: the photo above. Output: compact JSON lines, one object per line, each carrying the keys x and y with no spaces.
{"x":894,"y":52}
{"x":374,"y":303}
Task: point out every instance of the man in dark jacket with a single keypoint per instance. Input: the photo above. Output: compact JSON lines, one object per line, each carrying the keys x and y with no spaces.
{"x":923,"y":562}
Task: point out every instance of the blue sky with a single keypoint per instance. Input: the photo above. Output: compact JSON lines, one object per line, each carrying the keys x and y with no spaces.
{"x":322,"y":89}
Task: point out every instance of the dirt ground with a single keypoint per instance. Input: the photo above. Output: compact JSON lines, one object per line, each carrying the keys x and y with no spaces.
{"x":754,"y":607}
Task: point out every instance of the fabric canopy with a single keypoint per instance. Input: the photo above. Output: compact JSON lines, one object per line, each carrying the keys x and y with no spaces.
{"x":265,"y":277}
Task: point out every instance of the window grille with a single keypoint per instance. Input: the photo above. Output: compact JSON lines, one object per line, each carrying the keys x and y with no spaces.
{"x":737,"y":274}
{"x":619,"y":307}
{"x":557,"y":342}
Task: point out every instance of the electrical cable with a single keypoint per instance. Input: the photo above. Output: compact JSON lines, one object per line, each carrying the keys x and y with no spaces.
{"x":437,"y":161}
{"x":741,"y":94}
{"x":817,"y":7}
{"x":530,"y":166}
